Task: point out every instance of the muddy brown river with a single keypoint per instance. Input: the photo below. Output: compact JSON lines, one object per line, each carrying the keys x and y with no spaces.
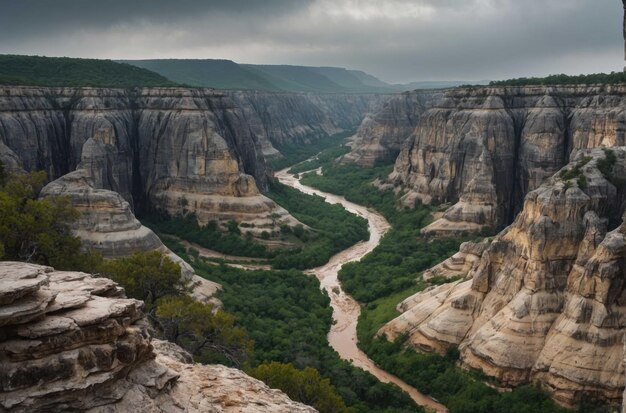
{"x":342,"y":335}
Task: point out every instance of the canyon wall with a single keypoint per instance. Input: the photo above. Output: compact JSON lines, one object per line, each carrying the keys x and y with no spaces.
{"x":382,"y":133}
{"x":73,"y":342}
{"x":169,"y":148}
{"x":483,"y":149}
{"x":545,"y":300}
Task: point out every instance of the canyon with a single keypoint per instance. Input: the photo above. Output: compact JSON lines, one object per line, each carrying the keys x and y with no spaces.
{"x":482,"y":149}
{"x":540,"y":302}
{"x":544,"y":301}
{"x":169,"y":148}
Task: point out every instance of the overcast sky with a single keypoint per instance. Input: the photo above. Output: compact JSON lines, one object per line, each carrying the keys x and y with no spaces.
{"x":396,"y":40}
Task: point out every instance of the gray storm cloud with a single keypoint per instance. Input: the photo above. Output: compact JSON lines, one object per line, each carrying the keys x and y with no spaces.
{"x":397,"y":40}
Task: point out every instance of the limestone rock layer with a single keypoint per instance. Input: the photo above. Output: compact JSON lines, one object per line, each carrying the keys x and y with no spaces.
{"x":162,"y":148}
{"x":546,"y":300}
{"x":72,"y":342}
{"x":484,"y":148}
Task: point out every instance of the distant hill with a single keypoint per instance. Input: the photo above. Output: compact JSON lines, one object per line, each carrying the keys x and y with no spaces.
{"x":226,"y":74}
{"x":64,"y":71}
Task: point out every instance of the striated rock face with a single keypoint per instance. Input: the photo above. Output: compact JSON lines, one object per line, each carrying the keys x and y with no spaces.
{"x":107,"y":224}
{"x":157,"y":147}
{"x":380,"y":136}
{"x":287,"y":118}
{"x":546,"y":300}
{"x":71,"y":342}
{"x":485,"y":148}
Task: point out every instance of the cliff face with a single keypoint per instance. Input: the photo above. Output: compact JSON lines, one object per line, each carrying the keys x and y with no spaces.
{"x":161,"y":148}
{"x":380,"y":136}
{"x":546,"y":299}
{"x":287,"y":118}
{"x":487,"y":147}
{"x":71,"y":342}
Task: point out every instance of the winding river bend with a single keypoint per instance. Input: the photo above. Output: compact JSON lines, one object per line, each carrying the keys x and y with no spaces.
{"x":342,"y":336}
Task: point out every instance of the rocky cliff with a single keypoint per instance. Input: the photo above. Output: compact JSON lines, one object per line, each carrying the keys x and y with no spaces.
{"x":485,"y":148}
{"x":279,"y":119}
{"x":546,"y":300}
{"x":161,"y":147}
{"x":382,"y":132}
{"x":71,"y":342}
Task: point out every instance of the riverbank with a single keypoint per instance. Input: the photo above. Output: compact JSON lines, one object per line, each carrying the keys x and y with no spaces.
{"x":342,"y":336}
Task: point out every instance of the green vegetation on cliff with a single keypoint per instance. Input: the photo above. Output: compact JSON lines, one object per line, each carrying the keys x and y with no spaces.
{"x":562,"y":79}
{"x":226,"y":74}
{"x":37,"y":230}
{"x":65,"y":71}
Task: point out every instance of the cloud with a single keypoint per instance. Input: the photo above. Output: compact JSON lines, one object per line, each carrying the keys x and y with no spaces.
{"x":398,"y":40}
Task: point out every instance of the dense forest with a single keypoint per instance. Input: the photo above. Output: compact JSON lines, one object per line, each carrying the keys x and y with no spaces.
{"x":65,"y":71}
{"x":288,"y":317}
{"x":562,"y":79}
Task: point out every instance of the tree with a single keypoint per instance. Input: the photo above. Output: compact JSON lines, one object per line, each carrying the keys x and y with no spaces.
{"x":306,"y":386}
{"x":3,"y":174}
{"x":36,"y":230}
{"x":147,"y":276}
{"x":210,"y":336}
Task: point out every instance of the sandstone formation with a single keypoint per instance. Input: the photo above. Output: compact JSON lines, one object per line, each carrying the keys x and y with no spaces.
{"x":162,"y":147}
{"x":279,"y":119}
{"x":107,"y":224}
{"x":460,"y":263}
{"x":546,"y":300}
{"x":485,"y":148}
{"x":380,"y":136}
{"x":71,"y":342}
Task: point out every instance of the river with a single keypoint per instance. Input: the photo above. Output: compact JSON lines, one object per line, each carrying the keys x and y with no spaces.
{"x":342,"y":336}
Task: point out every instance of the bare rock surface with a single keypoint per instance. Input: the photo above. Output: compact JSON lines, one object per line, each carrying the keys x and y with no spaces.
{"x":107,"y":224}
{"x":88,"y":348}
{"x":381,"y":134}
{"x":544,"y":301}
{"x":165,"y":147}
{"x":485,"y":148}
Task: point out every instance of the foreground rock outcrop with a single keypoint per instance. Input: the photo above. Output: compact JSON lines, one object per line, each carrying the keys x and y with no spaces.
{"x":546,"y":301}
{"x":71,"y":342}
{"x":485,"y":148}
